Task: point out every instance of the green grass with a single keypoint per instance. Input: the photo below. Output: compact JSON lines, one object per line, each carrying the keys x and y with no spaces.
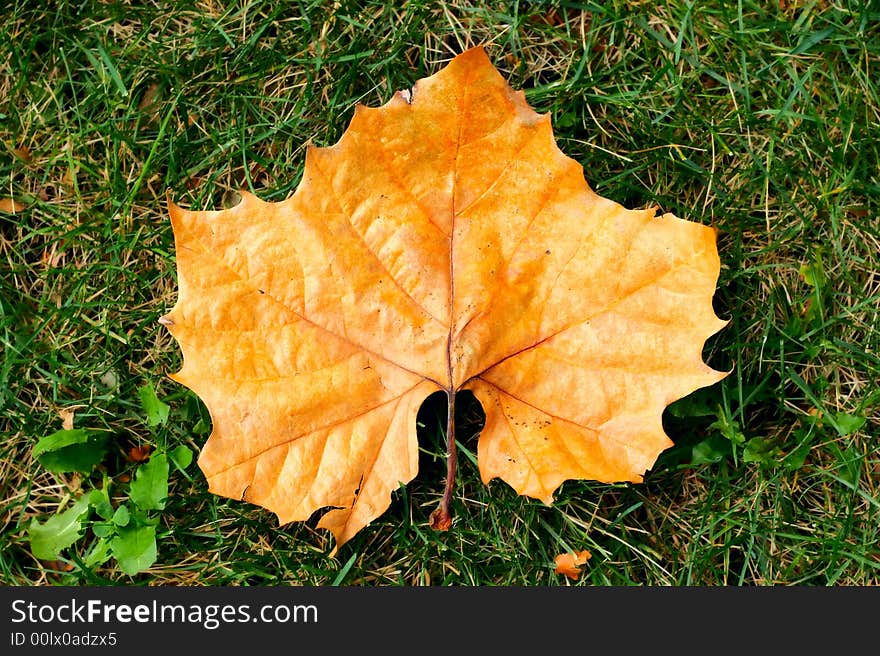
{"x":762,"y":119}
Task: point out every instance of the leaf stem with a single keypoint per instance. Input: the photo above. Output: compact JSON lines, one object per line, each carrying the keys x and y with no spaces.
{"x":441,"y":518}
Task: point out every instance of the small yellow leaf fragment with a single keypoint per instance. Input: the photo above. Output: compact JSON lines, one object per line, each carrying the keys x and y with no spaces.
{"x":11,"y":206}
{"x":66,"y":415}
{"x":23,"y":153}
{"x":568,"y":563}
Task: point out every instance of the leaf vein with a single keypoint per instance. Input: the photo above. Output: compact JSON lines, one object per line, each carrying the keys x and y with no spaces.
{"x":346,"y":339}
{"x":369,"y":248}
{"x":325,"y":427}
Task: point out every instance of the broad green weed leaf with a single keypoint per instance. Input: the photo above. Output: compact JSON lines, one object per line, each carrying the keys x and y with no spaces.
{"x":71,"y":450}
{"x":98,"y":554}
{"x":847,"y":423}
{"x":121,"y":516}
{"x":134,"y":547}
{"x":181,"y":456}
{"x":59,"y":531}
{"x":156,"y":411}
{"x":759,"y":449}
{"x":711,"y":450}
{"x":201,"y":427}
{"x":103,"y":529}
{"x":796,"y":458}
{"x":61,"y":439}
{"x":728,"y":427}
{"x":814,"y":274}
{"x":104,"y":509}
{"x":150,"y":485}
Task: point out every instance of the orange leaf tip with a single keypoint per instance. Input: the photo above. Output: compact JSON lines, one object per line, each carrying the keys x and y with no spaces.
{"x":569,"y":563}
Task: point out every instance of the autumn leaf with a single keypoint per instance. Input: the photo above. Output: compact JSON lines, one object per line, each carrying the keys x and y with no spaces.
{"x":569,"y":563}
{"x":444,"y":243}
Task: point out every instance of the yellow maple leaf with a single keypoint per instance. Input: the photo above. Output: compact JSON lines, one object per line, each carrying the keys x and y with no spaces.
{"x":444,"y":243}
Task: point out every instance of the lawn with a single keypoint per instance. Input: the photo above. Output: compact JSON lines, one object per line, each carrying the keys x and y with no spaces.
{"x":760,"y":119}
